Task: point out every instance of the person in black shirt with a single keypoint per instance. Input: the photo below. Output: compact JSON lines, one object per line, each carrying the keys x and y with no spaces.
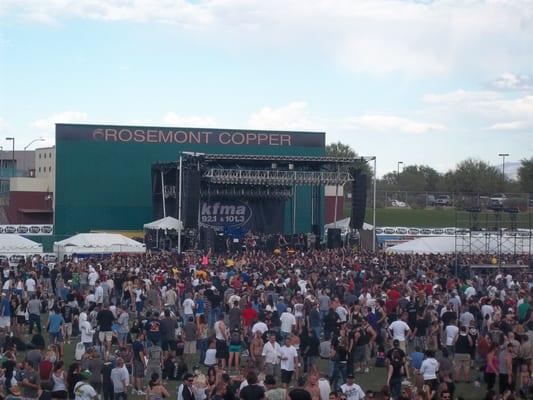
{"x":253,"y":391}
{"x":105,"y":319}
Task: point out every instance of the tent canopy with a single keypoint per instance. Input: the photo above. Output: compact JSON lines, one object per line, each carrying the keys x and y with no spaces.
{"x":448,"y":245}
{"x":344,"y":224}
{"x":166,"y":223}
{"x":98,"y":243}
{"x":16,"y":244}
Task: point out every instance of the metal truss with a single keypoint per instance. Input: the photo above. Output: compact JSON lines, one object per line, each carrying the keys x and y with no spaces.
{"x":308,"y":159}
{"x":276,"y":192}
{"x":275,"y":177}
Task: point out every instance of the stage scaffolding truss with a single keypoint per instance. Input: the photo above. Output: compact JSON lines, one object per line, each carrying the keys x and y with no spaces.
{"x":275,"y":177}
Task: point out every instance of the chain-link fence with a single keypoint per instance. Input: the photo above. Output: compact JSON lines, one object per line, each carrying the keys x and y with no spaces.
{"x":431,"y":200}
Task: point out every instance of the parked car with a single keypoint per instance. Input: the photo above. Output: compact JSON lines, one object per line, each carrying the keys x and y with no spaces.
{"x":497,"y":201}
{"x":443,"y":200}
{"x":398,"y":204}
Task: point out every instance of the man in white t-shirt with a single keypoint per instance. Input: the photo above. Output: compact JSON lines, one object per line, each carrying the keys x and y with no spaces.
{"x":30,"y":285}
{"x":271,"y":356}
{"x":289,"y":362}
{"x":342,"y":312}
{"x":351,"y":390}
{"x":288,"y":322}
{"x":188,"y":306}
{"x":399,"y":330}
{"x":92,"y":277}
{"x":451,"y":332}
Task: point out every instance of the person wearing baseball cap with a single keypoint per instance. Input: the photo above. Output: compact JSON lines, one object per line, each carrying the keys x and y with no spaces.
{"x":83,"y":389}
{"x":351,"y":390}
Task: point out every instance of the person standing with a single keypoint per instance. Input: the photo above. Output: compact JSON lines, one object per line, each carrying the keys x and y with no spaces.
{"x":31,"y":388}
{"x":83,"y":390}
{"x":190,"y":331}
{"x":121,"y":380}
{"x":289,"y":362}
{"x":105,"y":320}
{"x":506,"y":378}
{"x":34,"y":314}
{"x":352,"y":390}
{"x":139,"y":364}
{"x":272,"y":356}
{"x":221,"y":336}
{"x":399,"y":330}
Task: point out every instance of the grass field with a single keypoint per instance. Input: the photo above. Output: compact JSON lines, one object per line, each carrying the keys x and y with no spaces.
{"x":441,"y":218}
{"x":374,"y":380}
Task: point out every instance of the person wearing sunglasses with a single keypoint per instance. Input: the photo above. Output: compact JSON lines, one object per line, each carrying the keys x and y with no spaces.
{"x":185,"y":390}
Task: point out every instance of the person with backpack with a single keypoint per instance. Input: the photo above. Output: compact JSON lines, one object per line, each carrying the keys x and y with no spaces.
{"x":235,"y":346}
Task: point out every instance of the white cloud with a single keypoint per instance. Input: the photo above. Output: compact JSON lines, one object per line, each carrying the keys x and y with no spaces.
{"x":513,"y":82}
{"x":293,"y":116}
{"x":392,"y":124}
{"x":376,"y":36}
{"x":46,"y":126}
{"x":171,"y":118}
{"x":490,"y":110}
{"x":3,"y":125}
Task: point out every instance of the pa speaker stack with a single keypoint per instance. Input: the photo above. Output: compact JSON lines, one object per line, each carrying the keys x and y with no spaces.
{"x":358,"y":199}
{"x":334,"y":238}
{"x":190,"y":197}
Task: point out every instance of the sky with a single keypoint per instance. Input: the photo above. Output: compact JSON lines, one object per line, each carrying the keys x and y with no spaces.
{"x":423,"y":82}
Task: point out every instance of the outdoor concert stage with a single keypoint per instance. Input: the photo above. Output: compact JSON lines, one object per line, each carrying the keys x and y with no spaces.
{"x":233,"y":194}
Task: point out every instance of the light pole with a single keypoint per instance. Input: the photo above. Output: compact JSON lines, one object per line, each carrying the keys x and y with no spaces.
{"x":503,"y":155}
{"x":398,"y":174}
{"x":26,"y":147}
{"x":13,"y":154}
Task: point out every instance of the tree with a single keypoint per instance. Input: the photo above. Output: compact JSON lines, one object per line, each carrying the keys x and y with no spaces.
{"x":341,"y":150}
{"x":473,"y":176}
{"x":413,"y":178}
{"x":525,"y":175}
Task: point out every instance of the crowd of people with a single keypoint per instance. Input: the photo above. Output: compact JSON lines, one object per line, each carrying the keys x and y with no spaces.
{"x":338,"y":324}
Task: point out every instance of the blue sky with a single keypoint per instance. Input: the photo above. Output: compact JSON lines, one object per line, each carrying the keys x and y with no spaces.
{"x":430,"y":82}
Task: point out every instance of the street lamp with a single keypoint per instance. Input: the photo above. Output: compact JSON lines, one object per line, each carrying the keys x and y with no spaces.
{"x":398,"y":173}
{"x":13,"y":154}
{"x":33,"y":141}
{"x":503,"y":155}
{"x":25,"y":148}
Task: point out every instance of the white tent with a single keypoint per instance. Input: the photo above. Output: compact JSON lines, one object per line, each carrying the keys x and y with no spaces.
{"x":448,"y":244}
{"x":16,"y":244}
{"x":97,"y":243}
{"x":166,"y":223}
{"x":344,"y":225}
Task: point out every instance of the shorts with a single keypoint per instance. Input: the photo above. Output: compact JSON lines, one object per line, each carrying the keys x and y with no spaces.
{"x":68,"y":328}
{"x":190,"y":347}
{"x":56,"y":337}
{"x":105,"y":336}
{"x":461,"y":360}
{"x":359,"y":354}
{"x":21,"y":319}
{"x":234,"y":348}
{"x":222,"y":349}
{"x":138,"y":369}
{"x":286,"y":376}
{"x":167,"y":345}
{"x":5,"y":322}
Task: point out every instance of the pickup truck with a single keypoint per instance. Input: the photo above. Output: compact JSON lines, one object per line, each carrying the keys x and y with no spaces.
{"x":443,"y":200}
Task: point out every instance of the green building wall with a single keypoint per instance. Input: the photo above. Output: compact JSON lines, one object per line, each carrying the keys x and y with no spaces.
{"x":107,"y":185}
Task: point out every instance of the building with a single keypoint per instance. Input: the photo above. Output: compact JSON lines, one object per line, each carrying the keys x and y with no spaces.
{"x":18,"y":164}
{"x":31,"y":192}
{"x":103,"y":173}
